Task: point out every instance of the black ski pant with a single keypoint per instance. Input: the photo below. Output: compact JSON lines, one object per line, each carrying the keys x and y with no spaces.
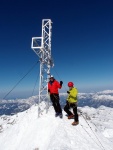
{"x":74,"y":106}
{"x":55,"y":102}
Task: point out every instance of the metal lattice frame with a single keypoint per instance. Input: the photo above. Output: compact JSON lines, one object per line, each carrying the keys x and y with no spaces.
{"x":42,"y":47}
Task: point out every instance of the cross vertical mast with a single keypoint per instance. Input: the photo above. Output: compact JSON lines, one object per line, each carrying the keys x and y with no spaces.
{"x":42,"y":47}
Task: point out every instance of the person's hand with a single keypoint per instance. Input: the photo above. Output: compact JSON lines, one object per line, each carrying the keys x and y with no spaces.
{"x":68,"y":92}
{"x":67,"y":102}
{"x":61,"y":82}
{"x":48,"y":91}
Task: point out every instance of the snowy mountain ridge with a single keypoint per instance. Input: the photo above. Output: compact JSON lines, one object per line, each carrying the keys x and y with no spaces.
{"x":25,"y":131}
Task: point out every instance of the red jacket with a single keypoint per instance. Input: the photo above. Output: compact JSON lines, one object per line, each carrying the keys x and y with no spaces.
{"x":54,"y":86}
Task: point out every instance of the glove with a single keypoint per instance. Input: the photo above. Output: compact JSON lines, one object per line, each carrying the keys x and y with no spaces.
{"x":67,"y":102}
{"x":48,"y":92}
{"x":61,"y":82}
{"x":68,"y":92}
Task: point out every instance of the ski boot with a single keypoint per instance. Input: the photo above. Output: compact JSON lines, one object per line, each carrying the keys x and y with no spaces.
{"x":75,"y":123}
{"x":60,"y":115}
{"x":57,"y":114}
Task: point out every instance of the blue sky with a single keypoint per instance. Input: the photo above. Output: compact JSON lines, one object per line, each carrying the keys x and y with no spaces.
{"x":82,"y":43}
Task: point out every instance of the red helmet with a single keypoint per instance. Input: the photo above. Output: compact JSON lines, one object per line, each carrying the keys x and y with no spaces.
{"x":70,"y":84}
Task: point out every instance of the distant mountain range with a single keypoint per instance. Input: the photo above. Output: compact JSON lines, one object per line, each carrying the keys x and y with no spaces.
{"x":10,"y":107}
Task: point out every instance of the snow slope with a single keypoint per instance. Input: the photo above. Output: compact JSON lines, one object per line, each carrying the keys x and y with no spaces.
{"x":25,"y":131}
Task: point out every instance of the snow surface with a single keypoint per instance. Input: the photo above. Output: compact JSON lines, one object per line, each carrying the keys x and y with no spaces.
{"x":25,"y":131}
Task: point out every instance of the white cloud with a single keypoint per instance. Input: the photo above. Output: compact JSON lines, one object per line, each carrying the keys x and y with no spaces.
{"x":102,"y":97}
{"x":106,"y":92}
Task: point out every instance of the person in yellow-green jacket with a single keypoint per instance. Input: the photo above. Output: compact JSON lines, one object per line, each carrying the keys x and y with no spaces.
{"x":72,"y":103}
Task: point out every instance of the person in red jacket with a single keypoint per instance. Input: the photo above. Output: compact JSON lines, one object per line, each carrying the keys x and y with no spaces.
{"x":53,"y":86}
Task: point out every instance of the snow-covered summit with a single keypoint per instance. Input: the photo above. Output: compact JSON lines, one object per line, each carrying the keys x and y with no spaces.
{"x":25,"y":131}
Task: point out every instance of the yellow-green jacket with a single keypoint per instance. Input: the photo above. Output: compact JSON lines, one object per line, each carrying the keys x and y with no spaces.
{"x":72,"y":96}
